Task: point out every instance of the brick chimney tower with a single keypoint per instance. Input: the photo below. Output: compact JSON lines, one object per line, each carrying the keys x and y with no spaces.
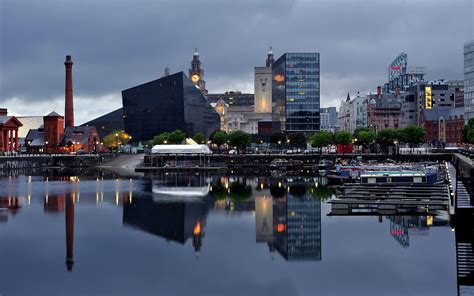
{"x":69,"y":111}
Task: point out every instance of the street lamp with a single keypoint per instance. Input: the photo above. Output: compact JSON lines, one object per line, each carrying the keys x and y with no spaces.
{"x":116,"y":141}
{"x":46,"y":147}
{"x":130,"y":144}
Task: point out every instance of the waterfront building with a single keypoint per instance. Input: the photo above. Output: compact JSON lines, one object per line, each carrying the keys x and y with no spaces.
{"x":166,"y":104}
{"x":296,"y":92}
{"x":468,"y":80}
{"x":329,"y":118}
{"x":344,"y":115}
{"x":383,"y":111}
{"x":243,"y":118}
{"x":263,"y":86}
{"x":108,"y":123}
{"x":196,"y":73}
{"x":358,"y":112}
{"x":53,"y":124}
{"x":34,"y":140}
{"x":29,"y":122}
{"x":443,"y":126}
{"x":435,"y":95}
{"x":232,"y":98}
{"x":80,"y":138}
{"x":9,"y":126}
{"x":402,"y":76}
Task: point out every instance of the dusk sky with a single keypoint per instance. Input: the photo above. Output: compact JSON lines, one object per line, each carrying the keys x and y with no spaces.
{"x":118,"y":44}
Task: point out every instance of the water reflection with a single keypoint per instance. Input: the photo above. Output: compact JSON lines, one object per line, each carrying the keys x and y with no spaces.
{"x":401,"y":227}
{"x":198,"y":213}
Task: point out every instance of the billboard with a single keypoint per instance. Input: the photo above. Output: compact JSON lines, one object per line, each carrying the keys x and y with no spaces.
{"x":428,"y":98}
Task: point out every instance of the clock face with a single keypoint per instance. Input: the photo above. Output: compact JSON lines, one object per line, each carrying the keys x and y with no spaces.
{"x":195,"y":78}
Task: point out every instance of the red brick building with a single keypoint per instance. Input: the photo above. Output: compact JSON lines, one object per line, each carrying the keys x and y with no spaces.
{"x":8,"y":131}
{"x":442,"y":126}
{"x":53,"y":131}
{"x":383,"y":111}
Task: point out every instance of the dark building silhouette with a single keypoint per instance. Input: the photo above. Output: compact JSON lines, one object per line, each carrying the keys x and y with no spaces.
{"x":175,"y":221}
{"x":108,"y":123}
{"x":163,"y":105}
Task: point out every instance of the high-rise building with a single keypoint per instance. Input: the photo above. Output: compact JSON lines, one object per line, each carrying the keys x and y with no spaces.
{"x":196,"y":73}
{"x":296,"y":92}
{"x":166,"y":104}
{"x":263,"y":86}
{"x":328,"y":118}
{"x":468,"y":80}
{"x":401,"y":76}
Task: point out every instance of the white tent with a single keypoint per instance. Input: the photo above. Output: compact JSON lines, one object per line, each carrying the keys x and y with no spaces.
{"x":181,"y":149}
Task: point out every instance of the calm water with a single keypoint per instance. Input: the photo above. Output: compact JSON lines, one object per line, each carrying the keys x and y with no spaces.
{"x":194,"y":234}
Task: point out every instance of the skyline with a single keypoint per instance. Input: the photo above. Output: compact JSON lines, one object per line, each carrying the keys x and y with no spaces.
{"x":112,"y":54}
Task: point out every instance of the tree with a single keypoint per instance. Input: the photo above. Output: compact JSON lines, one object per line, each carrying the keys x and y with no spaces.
{"x":413,"y":135}
{"x":357,"y":131}
{"x":219,"y":138}
{"x":116,"y":139}
{"x":343,"y":138}
{"x":176,"y":137}
{"x":365,"y":138}
{"x":321,"y":139}
{"x":161,"y":139}
{"x":385,"y":138}
{"x":239,"y":139}
{"x":467,"y":132}
{"x":278,"y":138}
{"x":200,"y":138}
{"x":297,"y":139}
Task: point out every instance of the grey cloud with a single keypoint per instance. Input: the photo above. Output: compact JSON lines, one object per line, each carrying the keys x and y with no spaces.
{"x":117,"y":44}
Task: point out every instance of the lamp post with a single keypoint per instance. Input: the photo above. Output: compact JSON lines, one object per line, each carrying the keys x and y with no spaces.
{"x":130,"y":144}
{"x":396,"y":147}
{"x":116,"y":141}
{"x":46,"y":146}
{"x":279,"y":145}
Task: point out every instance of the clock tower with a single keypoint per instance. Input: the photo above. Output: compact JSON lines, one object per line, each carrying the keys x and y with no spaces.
{"x":196,"y":74}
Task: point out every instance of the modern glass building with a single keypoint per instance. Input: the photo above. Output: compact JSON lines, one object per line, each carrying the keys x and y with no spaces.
{"x":166,"y":104}
{"x":295,"y":92}
{"x":468,"y":80}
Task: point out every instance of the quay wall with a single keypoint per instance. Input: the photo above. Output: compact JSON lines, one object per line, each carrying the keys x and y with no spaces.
{"x":53,"y":161}
{"x":257,"y":160}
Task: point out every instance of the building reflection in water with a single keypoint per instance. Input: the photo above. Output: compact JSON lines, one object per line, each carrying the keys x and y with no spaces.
{"x":70,"y":230}
{"x":9,"y":205}
{"x":402,"y":227}
{"x":176,"y":211}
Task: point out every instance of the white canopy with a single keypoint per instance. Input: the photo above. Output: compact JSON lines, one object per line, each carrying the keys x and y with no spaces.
{"x":180,"y":149}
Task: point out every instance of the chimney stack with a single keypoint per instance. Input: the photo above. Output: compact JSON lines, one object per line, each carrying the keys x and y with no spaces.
{"x":69,"y":104}
{"x":379,"y":91}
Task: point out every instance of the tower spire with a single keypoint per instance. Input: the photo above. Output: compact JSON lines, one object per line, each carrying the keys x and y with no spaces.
{"x":270,"y":60}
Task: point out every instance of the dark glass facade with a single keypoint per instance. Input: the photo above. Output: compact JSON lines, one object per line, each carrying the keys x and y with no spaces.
{"x":166,"y":104}
{"x":107,"y":123}
{"x":296,"y":92}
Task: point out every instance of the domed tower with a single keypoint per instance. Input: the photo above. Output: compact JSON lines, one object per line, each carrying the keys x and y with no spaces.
{"x":196,"y":73}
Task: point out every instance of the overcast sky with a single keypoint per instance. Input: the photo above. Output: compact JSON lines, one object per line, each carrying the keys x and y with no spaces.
{"x":119,"y":44}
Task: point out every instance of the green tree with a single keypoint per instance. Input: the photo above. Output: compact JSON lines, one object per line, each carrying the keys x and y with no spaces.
{"x":297,"y":139}
{"x":116,"y":139}
{"x":343,"y":138}
{"x":385,"y":138}
{"x":467,"y":132}
{"x":321,"y":192}
{"x":321,"y":139}
{"x":176,"y":137}
{"x":161,"y":139}
{"x":219,"y":138}
{"x":200,"y":138}
{"x":278,"y":138}
{"x":357,"y":131}
{"x":239,"y":139}
{"x":365,"y":138}
{"x":413,"y":135}
{"x":239,"y":191}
